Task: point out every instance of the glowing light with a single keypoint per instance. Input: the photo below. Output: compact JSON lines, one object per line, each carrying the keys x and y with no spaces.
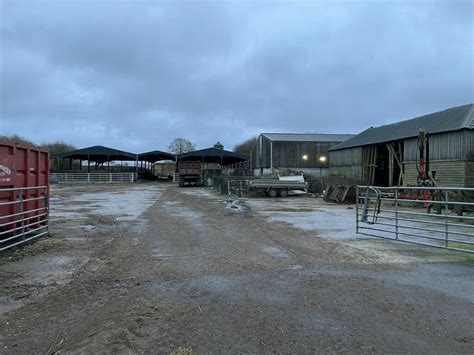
{"x":322,"y":159}
{"x":305,"y":157}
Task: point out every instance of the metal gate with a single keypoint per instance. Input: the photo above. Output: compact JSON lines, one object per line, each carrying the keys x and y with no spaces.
{"x":432,"y":216}
{"x":24,"y":215}
{"x":92,"y":177}
{"x":237,"y":187}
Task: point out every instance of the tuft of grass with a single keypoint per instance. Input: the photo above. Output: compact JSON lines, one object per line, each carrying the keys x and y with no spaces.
{"x":458,"y":245}
{"x":183,"y":350}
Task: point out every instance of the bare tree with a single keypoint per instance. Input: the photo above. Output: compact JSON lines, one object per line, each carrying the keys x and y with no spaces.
{"x":245,"y":147}
{"x":180,"y":146}
{"x":17,"y":139}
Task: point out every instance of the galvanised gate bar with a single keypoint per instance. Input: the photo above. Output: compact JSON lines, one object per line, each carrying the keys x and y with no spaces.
{"x":27,"y":216}
{"x":24,"y":191}
{"x":441,"y":217}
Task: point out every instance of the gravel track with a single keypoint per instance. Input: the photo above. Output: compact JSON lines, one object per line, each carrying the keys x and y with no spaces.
{"x":190,"y":274}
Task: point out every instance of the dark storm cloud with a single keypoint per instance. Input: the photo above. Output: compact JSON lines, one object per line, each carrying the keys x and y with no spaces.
{"x":134,"y":75}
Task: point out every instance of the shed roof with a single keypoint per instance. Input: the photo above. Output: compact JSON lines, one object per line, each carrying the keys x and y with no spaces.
{"x":155,"y":155}
{"x":98,"y":153}
{"x":451,"y":119}
{"x":213,"y":155}
{"x":307,"y":137}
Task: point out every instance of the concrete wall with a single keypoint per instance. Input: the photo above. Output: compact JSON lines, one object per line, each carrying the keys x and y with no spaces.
{"x":448,"y":173}
{"x":351,"y":174}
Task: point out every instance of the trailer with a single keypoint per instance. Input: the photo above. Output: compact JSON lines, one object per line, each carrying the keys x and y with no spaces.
{"x":24,"y":193}
{"x":190,"y":173}
{"x":278,"y":187}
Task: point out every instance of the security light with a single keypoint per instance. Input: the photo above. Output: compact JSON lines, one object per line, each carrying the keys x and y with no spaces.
{"x":322,"y":159}
{"x":305,"y":157}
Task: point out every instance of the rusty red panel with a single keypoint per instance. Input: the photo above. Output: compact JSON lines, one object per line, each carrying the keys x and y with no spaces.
{"x":22,"y":166}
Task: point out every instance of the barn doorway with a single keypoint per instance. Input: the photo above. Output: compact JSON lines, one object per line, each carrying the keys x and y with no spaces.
{"x":382,"y":164}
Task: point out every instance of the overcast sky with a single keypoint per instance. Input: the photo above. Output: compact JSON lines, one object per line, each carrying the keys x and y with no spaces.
{"x":135,"y":74}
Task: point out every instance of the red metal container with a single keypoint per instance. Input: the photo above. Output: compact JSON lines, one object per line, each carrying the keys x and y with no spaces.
{"x":23,"y":169}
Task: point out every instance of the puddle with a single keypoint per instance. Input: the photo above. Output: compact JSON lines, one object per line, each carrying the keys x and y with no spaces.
{"x":329,"y":220}
{"x":205,"y":288}
{"x":183,"y":212}
{"x":42,"y":269}
{"x":274,"y":251}
{"x":128,"y":203}
{"x":8,"y":304}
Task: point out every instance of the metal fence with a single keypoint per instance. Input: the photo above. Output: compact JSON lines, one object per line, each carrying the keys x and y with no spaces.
{"x":432,"y":216}
{"x":175,"y":177}
{"x":237,"y":187}
{"x":24,"y":215}
{"x":92,"y":177}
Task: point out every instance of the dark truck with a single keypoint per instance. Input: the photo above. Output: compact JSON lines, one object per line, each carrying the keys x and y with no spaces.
{"x":189,"y":173}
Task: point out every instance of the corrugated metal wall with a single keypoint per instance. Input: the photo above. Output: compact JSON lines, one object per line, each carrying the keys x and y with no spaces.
{"x":448,"y":173}
{"x":290,"y":154}
{"x":261,"y":153}
{"x":457,"y":145}
{"x":346,"y":157}
{"x":352,"y":174}
{"x":470,"y":173}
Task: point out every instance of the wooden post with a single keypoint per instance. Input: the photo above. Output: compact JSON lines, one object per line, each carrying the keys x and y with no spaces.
{"x":89,"y":164}
{"x":390,"y":164}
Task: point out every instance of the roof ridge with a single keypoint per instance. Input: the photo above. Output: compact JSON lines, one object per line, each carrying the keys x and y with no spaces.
{"x":469,"y":123}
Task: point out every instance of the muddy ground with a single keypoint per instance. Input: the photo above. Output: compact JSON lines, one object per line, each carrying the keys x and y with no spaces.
{"x":151,"y":268}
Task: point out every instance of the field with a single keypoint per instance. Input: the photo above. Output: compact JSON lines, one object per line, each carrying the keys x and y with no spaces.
{"x":149,"y":268}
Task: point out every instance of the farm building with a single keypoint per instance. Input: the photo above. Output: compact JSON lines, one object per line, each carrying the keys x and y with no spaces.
{"x":215,"y":162}
{"x":388,"y":155}
{"x":275,"y":152}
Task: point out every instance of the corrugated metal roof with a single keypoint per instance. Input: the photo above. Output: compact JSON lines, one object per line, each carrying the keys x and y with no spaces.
{"x":98,"y":153}
{"x":451,"y":119}
{"x":213,"y":155}
{"x":155,"y":155}
{"x":307,"y":137}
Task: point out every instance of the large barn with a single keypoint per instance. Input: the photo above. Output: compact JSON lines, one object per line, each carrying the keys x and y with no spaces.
{"x":388,"y":155}
{"x":275,"y":152}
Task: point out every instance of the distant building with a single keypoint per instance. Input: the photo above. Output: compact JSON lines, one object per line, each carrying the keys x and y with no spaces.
{"x":275,"y":152}
{"x":387,"y":155}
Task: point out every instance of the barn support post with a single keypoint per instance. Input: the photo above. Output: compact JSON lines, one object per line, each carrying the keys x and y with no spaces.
{"x":136,"y":167}
{"x":80,"y":165}
{"x":108,"y":163}
{"x":89,"y":164}
{"x":390,"y":164}
{"x":271,"y":156}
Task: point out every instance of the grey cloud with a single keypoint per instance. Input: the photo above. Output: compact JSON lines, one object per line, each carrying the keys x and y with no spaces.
{"x":135,"y":75}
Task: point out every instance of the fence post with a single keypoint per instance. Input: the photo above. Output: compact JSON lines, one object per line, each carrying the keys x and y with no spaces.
{"x":110,"y":177}
{"x":357,"y":209}
{"x":396,"y":213}
{"x":22,"y":210}
{"x":446,"y":217}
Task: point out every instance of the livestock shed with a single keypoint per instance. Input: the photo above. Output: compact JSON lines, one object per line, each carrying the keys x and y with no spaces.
{"x":274,"y":152}
{"x":388,"y":155}
{"x":215,"y":162}
{"x":97,"y":154}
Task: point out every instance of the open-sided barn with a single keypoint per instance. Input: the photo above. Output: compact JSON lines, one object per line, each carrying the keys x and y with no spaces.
{"x":275,"y":152}
{"x":387,"y":155}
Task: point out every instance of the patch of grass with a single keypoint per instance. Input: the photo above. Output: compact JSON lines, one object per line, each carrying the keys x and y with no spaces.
{"x":458,"y":245}
{"x":183,"y":350}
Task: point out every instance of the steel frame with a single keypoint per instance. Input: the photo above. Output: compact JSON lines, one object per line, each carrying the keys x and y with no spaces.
{"x":383,"y":212}
{"x":20,"y":227}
